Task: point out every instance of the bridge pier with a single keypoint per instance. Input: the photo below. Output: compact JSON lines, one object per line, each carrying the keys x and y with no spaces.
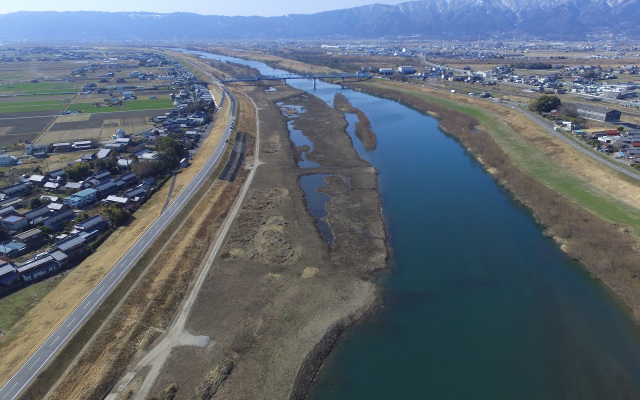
{"x":314,"y":83}
{"x":284,"y":81}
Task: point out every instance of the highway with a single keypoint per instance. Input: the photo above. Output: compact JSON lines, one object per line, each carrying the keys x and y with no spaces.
{"x":61,"y":335}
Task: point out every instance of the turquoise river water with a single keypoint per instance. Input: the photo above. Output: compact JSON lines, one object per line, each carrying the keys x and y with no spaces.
{"x":477,"y":303}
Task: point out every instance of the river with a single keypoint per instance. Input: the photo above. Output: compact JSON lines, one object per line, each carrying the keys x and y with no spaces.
{"x":477,"y":304}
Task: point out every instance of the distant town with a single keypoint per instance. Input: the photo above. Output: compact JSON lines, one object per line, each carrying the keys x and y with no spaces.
{"x":61,"y":198}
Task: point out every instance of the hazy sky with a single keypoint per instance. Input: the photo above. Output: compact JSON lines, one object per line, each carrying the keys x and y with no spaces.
{"x":216,"y":7}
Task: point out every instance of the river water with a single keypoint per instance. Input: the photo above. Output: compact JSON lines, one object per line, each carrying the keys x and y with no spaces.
{"x":477,"y":304}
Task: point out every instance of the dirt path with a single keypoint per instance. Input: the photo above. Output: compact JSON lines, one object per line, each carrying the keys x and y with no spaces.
{"x":280,"y":295}
{"x":177,"y":334}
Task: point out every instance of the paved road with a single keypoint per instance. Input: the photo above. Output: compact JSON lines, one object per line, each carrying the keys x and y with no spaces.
{"x":59,"y":338}
{"x":586,"y":150}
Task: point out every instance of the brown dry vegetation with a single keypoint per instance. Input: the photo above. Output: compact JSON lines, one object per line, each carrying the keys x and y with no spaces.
{"x":363,"y":126}
{"x":608,"y":251}
{"x":278,"y":295}
{"x":148,"y":309}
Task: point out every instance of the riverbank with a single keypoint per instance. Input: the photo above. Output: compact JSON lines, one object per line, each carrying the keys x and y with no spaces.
{"x":606,"y":249}
{"x":279,"y":295}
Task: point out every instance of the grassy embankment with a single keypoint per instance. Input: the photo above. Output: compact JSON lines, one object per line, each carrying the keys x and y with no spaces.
{"x":530,"y":159}
{"x":589,"y":223}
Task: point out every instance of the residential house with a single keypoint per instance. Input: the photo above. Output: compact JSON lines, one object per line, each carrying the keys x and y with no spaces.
{"x":15,"y":190}
{"x":137,"y":192}
{"x":12,"y":249}
{"x":14,"y":223}
{"x":37,"y":268}
{"x":117,"y":200}
{"x":96,"y":223}
{"x":98,"y":178}
{"x":87,"y":157}
{"x":129,"y":178}
{"x":15,"y":202}
{"x":9,"y":278}
{"x":7,"y":160}
{"x":72,"y":246}
{"x":6,"y":211}
{"x":72,"y":186}
{"x":82,"y":145}
{"x":82,"y":198}
{"x":119,"y":147}
{"x":52,"y":187}
{"x":37,"y":215}
{"x":37,"y":180}
{"x":61,"y":147}
{"x":32,"y":239}
{"x":106,"y":188}
{"x":59,"y":219}
{"x":103,"y":153}
{"x":124,"y":163}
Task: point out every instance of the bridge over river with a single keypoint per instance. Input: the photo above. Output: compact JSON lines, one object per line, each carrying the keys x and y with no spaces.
{"x":256,"y":78}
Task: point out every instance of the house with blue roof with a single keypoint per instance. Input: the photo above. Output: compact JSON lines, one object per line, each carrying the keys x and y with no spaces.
{"x":82,"y":199}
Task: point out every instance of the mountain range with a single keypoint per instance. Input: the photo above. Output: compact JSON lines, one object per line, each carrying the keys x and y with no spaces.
{"x":553,"y":19}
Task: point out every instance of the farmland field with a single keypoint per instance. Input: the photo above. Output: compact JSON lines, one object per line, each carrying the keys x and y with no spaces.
{"x":100,"y":126}
{"x":131,"y":105}
{"x":22,"y":106}
{"x":28,"y":88}
{"x":90,"y":108}
{"x":139,"y":105}
{"x":21,"y":126}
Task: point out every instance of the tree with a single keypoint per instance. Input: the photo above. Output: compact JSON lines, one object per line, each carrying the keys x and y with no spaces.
{"x":590,"y":74}
{"x":106,"y":164}
{"x":545,"y":103}
{"x":78,"y":171}
{"x":117,"y":215}
{"x":35,"y":202}
{"x":80,"y":218}
{"x":569,"y":111}
{"x":145,"y":168}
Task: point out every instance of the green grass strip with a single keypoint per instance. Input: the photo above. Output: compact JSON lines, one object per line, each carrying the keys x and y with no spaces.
{"x":534,"y":162}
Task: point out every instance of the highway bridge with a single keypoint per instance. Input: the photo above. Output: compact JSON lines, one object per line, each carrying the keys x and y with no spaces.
{"x":257,"y":78}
